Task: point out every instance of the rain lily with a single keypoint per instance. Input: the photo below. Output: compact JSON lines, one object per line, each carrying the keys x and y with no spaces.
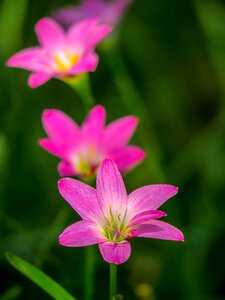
{"x":82,"y":149}
{"x":107,"y":12}
{"x":110,"y":217}
{"x":61,"y":53}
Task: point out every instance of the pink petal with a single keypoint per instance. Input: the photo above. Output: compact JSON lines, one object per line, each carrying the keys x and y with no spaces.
{"x":88,"y":63}
{"x":61,"y":129}
{"x":81,"y":197}
{"x":98,"y":35}
{"x":115,"y":253}
{"x":111,"y":190}
{"x":85,"y":35}
{"x":128,"y":157}
{"x":66,"y":169}
{"x":80,"y":234}
{"x":149,"y":197}
{"x":146,"y":216}
{"x":118,"y":133}
{"x":37,"y":79}
{"x":50,"y":35}
{"x":31,"y":59}
{"x":69,"y":15}
{"x":108,"y":12}
{"x":56,"y":150}
{"x":160,"y":230}
{"x":79,"y":33}
{"x":92,"y":127}
{"x":122,"y":5}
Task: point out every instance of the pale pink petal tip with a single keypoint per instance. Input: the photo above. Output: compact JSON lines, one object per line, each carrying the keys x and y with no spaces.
{"x":48,"y":113}
{"x":115,"y":253}
{"x":95,"y":120}
{"x":99,"y":109}
{"x":65,"y":169}
{"x":37,"y":79}
{"x":44,"y":23}
{"x":49,"y":32}
{"x":106,"y":30}
{"x":160,"y":230}
{"x":28,"y":59}
{"x":49,"y":146}
{"x":128,"y":157}
{"x":11,"y":62}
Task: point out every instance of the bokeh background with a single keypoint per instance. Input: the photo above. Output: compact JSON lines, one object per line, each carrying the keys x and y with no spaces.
{"x":168,"y":67}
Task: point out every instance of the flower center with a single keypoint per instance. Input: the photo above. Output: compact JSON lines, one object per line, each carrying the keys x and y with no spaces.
{"x":64,"y":60}
{"x":115,"y":229}
{"x":87,"y":160}
{"x":84,"y":168}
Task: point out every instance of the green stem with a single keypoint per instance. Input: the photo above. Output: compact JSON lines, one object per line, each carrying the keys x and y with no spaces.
{"x":89,"y":270}
{"x":113,"y":275}
{"x":81,"y":84}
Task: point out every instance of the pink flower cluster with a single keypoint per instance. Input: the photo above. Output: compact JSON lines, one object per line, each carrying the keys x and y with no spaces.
{"x":110,"y":217}
{"x":82,"y":149}
{"x":61,"y":53}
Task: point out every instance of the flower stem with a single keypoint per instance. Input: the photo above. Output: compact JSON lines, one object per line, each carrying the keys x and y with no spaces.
{"x":81,"y":84}
{"x":89,"y":273}
{"x":113,"y":275}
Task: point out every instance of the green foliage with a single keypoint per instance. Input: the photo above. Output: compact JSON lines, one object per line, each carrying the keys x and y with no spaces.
{"x":168,"y":68}
{"x":38,"y":277}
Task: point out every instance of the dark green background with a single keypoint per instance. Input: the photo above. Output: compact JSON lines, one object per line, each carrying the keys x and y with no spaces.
{"x":174,"y":52}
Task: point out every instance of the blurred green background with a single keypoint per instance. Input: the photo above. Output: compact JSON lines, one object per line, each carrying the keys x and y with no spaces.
{"x":169,"y":69}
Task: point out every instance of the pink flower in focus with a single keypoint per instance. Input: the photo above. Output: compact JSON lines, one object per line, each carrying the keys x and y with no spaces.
{"x":107,"y":12}
{"x":110,"y":217}
{"x":82,"y":149}
{"x":61,"y":53}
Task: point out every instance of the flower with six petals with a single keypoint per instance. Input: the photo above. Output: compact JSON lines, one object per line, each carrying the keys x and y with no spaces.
{"x":61,"y":53}
{"x":110,"y":217}
{"x":82,"y":149}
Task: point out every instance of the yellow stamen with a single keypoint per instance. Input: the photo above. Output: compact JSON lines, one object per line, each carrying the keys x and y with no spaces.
{"x":83,"y":167}
{"x":111,"y":213}
{"x":119,"y":217}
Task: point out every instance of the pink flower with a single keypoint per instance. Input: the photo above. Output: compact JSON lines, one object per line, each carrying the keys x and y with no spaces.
{"x":60,"y":53}
{"x":82,"y":149}
{"x":107,"y":12}
{"x":110,"y":217}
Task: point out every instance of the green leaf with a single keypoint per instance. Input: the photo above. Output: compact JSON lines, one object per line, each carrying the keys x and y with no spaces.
{"x":12,"y":16}
{"x":40,"y":278}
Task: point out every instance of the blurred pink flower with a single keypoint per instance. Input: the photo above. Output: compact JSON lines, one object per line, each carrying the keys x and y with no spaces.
{"x":108,"y":12}
{"x":82,"y":149}
{"x":60,"y":53}
{"x":110,"y":217}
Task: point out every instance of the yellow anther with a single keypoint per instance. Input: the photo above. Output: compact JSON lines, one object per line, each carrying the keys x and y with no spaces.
{"x":111,"y":213}
{"x":107,"y":220}
{"x":119,"y":217}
